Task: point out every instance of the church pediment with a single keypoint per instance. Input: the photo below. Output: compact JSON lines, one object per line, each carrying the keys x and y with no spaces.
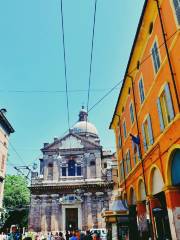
{"x":70,"y":141}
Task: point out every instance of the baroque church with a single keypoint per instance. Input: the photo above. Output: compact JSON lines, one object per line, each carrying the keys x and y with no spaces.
{"x":74,"y":184}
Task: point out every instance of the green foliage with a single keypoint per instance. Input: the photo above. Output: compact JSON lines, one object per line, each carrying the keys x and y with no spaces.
{"x":16,"y":201}
{"x":16,"y":192}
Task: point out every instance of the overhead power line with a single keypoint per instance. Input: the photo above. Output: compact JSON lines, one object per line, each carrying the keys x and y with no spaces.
{"x":19,"y":91}
{"x":65,"y":67}
{"x":91,"y":58}
{"x":134,"y":69}
{"x":19,"y":156}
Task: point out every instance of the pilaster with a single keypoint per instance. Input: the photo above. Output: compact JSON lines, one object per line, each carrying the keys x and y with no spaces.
{"x":173,"y":206}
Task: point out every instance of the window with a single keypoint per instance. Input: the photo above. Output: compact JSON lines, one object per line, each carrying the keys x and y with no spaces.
{"x":128,"y":162}
{"x":141,"y":90}
{"x":155,"y":57}
{"x":50,"y":171}
{"x":136,"y":152}
{"x":165,"y":107}
{"x":119,"y":142}
{"x":64,"y":171}
{"x":78,"y":170}
{"x":71,"y":168}
{"x":105,"y":165}
{"x":124,"y":129}
{"x":131,"y":113}
{"x":92,"y":163}
{"x":177,"y":9}
{"x":3,"y":162}
{"x":121,"y":170}
{"x":147,"y":133}
{"x":41,"y":166}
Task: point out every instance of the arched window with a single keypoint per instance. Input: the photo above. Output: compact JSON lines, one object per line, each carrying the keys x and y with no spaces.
{"x":175,"y":168}
{"x":50,"y":171}
{"x":71,"y":168}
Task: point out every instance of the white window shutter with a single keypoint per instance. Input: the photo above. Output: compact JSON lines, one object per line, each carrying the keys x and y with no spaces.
{"x":150,"y":129}
{"x":144,"y":139}
{"x":169,"y":102}
{"x":160,"y":115}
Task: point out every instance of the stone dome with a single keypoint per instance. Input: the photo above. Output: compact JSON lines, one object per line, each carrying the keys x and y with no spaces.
{"x":83,"y":126}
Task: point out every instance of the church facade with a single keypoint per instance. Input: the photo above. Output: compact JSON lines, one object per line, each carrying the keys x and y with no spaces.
{"x":74,"y":184}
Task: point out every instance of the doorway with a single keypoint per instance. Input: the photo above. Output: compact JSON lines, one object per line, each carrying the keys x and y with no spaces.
{"x":71,"y":219}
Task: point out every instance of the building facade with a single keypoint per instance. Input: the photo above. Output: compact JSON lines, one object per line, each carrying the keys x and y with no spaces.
{"x":5,"y":130}
{"x":146,"y":123}
{"x":74,"y":184}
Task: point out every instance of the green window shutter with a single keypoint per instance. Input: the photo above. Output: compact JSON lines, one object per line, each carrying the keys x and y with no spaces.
{"x":150,"y":129}
{"x":169,"y":102}
{"x":160,"y":115}
{"x":144,"y":138}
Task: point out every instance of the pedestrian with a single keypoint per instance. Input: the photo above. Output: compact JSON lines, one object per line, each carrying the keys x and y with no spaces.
{"x":88,"y":235}
{"x":61,"y":236}
{"x":73,"y":237}
{"x":67,"y":235}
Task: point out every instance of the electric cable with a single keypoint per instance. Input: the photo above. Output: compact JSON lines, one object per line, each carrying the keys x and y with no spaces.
{"x":91,"y":57}
{"x":65,"y":65}
{"x":134,"y":69}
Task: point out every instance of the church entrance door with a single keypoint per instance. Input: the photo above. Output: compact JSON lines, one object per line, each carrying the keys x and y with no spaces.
{"x":71,"y":218}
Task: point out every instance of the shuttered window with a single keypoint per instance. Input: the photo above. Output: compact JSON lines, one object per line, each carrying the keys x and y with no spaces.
{"x":141,"y":90}
{"x":131,"y":113}
{"x":121,"y":171}
{"x":177,"y":9}
{"x":155,"y":57}
{"x":147,"y":133}
{"x":128,"y":162}
{"x":165,"y":107}
{"x":135,"y":152}
{"x":119,"y":141}
{"x":124,"y":129}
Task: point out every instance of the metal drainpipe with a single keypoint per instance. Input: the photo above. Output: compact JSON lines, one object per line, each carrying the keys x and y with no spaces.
{"x":122,"y":151}
{"x":168,"y":55}
{"x":142,"y":164}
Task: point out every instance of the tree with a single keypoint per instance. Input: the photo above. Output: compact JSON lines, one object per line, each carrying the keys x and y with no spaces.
{"x":16,"y":200}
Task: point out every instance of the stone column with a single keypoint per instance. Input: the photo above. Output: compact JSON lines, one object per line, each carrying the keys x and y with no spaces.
{"x":66,"y":170}
{"x":100,"y":200}
{"x":75,"y":169}
{"x":142,"y":220}
{"x":37,"y":215}
{"x":31,"y":225}
{"x":94,"y":210}
{"x":98,"y":164}
{"x":173,"y":206}
{"x":55,"y":171}
{"x":45,"y":170}
{"x":88,"y":210}
{"x":43,"y":213}
{"x":55,"y":214}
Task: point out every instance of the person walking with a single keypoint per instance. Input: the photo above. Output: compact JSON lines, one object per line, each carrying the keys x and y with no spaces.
{"x":73,"y":237}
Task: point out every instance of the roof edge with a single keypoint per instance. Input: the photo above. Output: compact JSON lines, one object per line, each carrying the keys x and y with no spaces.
{"x":129,"y":61}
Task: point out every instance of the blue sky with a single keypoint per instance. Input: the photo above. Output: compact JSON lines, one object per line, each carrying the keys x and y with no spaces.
{"x":31,"y":60}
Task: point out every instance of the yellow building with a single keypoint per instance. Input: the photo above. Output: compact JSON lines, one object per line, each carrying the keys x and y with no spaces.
{"x":146,"y":123}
